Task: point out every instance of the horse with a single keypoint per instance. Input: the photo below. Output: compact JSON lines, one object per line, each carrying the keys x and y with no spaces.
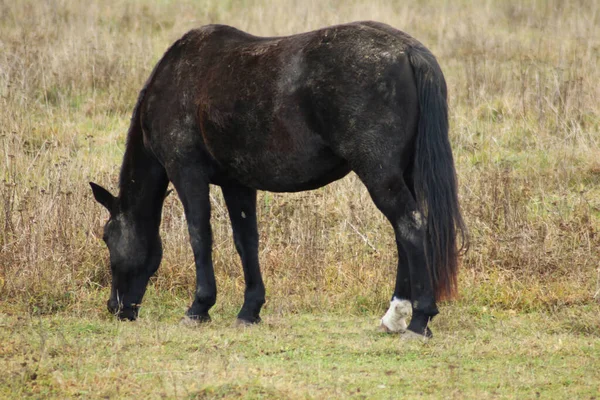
{"x":286,"y":114}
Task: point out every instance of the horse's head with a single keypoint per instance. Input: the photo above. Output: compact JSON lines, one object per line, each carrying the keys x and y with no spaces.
{"x":135,"y":253}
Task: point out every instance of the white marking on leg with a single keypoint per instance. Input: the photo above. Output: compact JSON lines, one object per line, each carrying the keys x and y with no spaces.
{"x":394,"y":319}
{"x":418,"y":218}
{"x":409,"y":226}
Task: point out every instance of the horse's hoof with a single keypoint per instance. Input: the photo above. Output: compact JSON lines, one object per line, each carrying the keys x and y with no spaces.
{"x":383,"y":328}
{"x":195,"y":320}
{"x":244,"y":323}
{"x":409,"y":335}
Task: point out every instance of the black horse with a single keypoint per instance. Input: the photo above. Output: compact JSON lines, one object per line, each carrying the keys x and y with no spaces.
{"x":287,"y":114}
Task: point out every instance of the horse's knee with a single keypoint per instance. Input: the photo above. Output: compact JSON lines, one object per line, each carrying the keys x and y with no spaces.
{"x":410,"y":228}
{"x":208,"y":298}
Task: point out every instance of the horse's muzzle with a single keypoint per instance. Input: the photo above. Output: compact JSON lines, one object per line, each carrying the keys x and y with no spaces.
{"x":122,"y":312}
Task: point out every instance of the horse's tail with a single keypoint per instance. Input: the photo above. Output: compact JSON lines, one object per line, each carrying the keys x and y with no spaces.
{"x":435,"y":177}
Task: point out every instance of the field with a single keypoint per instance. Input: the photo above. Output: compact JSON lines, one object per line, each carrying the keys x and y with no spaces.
{"x":525,"y":129}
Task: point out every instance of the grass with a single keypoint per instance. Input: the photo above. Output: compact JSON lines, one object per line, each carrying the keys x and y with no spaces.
{"x":525,"y":129}
{"x":478,"y":353}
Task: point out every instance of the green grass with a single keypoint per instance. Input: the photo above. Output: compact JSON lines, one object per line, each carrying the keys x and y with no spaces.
{"x":477,"y":352}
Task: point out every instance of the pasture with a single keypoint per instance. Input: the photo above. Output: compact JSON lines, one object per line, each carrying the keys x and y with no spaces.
{"x":525,"y":129}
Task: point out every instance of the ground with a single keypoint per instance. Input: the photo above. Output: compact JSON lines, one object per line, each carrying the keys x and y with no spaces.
{"x":475,"y":353}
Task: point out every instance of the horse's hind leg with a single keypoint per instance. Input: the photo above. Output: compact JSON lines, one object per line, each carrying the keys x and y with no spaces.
{"x":394,"y":198}
{"x":241,"y":203}
{"x":400,"y":308}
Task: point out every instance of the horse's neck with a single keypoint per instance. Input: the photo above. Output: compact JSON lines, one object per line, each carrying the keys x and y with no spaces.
{"x":143,"y":181}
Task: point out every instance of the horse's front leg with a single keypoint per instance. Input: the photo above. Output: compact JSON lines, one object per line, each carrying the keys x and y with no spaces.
{"x":193,"y":191}
{"x":241,"y":203}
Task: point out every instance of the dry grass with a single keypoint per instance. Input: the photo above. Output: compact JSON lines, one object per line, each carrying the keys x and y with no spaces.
{"x":525,"y":100}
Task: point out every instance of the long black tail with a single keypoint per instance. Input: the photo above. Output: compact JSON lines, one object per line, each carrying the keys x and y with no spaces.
{"x":435,"y":176}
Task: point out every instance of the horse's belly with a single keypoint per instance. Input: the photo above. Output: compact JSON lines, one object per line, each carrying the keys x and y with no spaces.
{"x":286,"y":172}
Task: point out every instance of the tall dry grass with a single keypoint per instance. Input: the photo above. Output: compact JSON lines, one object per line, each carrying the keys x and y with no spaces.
{"x":524,"y":99}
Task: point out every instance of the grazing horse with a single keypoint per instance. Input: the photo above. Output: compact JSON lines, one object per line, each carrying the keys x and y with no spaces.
{"x":287,"y":114}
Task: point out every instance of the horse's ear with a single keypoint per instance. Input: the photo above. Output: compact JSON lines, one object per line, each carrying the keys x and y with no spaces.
{"x":103,"y":196}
